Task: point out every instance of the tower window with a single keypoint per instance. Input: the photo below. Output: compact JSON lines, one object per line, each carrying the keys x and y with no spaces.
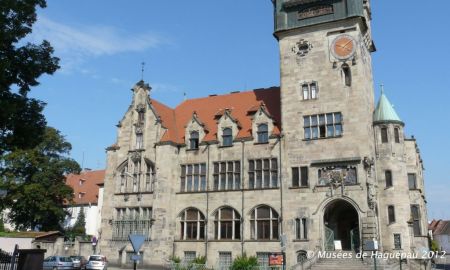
{"x":391,"y":214}
{"x":388,"y":176}
{"x":384,"y":135}
{"x":346,"y":75}
{"x":227,"y":137}
{"x":194,"y":140}
{"x":415,"y":217}
{"x":397,"y":135}
{"x":309,"y":90}
{"x":322,"y":126}
{"x":263,"y":133}
{"x":412,"y":181}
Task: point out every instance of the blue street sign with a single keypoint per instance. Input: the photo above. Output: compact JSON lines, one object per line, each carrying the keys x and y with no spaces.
{"x":135,"y":258}
{"x":137,"y":240}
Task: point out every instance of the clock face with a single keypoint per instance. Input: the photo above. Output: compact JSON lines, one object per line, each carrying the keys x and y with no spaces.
{"x":343,"y":47}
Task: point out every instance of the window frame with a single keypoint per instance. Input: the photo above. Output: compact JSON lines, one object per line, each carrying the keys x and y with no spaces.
{"x":388,"y":180}
{"x":257,"y":223}
{"x":417,"y":228}
{"x":259,"y":174}
{"x":384,"y":135}
{"x":190,"y":178}
{"x":414,"y":182}
{"x":196,"y":227}
{"x":222,"y":173}
{"x":194,"y":140}
{"x":263,"y":135}
{"x":300,"y":177}
{"x":309,"y":90}
{"x":235,"y":224}
{"x":227,"y":137}
{"x":301,"y":228}
{"x":323,"y":126}
{"x":391,"y":214}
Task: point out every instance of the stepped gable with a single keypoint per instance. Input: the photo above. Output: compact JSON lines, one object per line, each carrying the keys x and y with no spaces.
{"x":240,"y":105}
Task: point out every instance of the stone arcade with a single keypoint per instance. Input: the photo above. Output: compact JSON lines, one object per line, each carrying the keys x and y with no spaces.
{"x":313,"y":159}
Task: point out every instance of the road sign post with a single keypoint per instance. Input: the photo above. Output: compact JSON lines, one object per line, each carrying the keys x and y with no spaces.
{"x":137,"y":240}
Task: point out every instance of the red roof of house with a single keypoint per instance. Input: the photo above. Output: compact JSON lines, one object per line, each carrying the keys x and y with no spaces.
{"x":240,"y":105}
{"x":439,"y":227}
{"x":86,"y":183}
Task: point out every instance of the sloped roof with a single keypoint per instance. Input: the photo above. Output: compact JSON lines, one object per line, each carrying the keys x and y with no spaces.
{"x":440,"y":227}
{"x":385,"y":111}
{"x":239,"y":105}
{"x":86,"y":182}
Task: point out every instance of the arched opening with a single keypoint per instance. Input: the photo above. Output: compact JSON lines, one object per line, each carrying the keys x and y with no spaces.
{"x":341,"y":223}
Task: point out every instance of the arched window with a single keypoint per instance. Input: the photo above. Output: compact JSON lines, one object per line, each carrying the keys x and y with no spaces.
{"x":264,"y":223}
{"x":263,"y":133}
{"x":227,"y":224}
{"x":227,"y":137}
{"x":346,"y":75}
{"x":192,"y":224}
{"x":391,"y":214}
{"x":193,"y":140}
{"x":302,"y":256}
{"x":137,"y":176}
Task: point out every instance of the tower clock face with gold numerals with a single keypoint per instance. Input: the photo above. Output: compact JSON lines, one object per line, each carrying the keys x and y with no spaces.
{"x":343,"y":47}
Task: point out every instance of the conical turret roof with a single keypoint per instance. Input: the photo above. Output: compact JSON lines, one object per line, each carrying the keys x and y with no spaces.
{"x":385,"y":111}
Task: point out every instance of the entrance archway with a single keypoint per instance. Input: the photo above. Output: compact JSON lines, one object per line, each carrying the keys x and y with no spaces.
{"x":341,"y":223}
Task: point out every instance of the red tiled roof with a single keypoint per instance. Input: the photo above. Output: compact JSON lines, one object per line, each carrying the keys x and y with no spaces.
{"x":240,"y":106}
{"x":89,"y":186}
{"x":440,"y":227}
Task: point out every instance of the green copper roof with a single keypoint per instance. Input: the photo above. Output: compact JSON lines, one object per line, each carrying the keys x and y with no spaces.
{"x":385,"y":111}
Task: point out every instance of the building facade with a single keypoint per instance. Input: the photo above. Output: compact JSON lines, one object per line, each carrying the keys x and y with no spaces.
{"x":313,"y":160}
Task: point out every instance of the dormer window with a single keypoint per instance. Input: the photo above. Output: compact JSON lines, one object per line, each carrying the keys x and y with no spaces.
{"x":309,"y":90}
{"x":194,"y":140}
{"x":227,"y":137}
{"x":81,"y":182}
{"x":263,"y":133}
{"x":81,"y":195}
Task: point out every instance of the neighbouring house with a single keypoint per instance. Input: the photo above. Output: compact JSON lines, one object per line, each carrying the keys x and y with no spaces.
{"x":86,"y":187}
{"x":26,"y":240}
{"x":440,"y":231}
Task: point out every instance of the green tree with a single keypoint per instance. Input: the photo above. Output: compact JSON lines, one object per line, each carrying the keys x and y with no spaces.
{"x":35,"y":180}
{"x":79,"y":228}
{"x":22,"y":123}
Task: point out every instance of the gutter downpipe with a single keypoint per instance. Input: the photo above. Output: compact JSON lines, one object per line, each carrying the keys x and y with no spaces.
{"x":242,"y":197}
{"x":207,"y":205}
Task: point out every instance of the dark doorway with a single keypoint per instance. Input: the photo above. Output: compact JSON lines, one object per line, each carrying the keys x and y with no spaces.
{"x":341,"y":223}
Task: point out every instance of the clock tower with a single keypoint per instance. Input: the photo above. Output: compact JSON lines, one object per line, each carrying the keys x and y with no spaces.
{"x":327,"y":105}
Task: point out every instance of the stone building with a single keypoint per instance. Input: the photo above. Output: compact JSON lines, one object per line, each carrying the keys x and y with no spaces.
{"x":313,"y":160}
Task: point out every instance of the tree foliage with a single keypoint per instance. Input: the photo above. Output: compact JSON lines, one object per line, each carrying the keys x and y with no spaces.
{"x":79,"y":228}
{"x":35,"y":180}
{"x":243,"y":262}
{"x":22,"y":123}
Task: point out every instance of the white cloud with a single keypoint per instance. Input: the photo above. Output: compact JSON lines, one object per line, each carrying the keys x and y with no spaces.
{"x":75,"y":44}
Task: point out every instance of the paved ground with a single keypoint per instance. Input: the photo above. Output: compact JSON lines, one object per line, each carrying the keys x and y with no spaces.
{"x":443,"y":263}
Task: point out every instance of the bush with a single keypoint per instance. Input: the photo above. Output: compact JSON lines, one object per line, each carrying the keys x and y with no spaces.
{"x":243,"y":262}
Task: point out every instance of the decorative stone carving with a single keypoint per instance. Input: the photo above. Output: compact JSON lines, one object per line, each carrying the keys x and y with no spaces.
{"x":139,"y":130}
{"x":135,"y":156}
{"x":302,"y":48}
{"x":337,"y":176}
{"x":140,"y":108}
{"x":368,"y":165}
{"x":371,"y":195}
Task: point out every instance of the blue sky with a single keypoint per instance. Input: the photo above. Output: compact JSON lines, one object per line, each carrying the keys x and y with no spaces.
{"x":204,"y":47}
